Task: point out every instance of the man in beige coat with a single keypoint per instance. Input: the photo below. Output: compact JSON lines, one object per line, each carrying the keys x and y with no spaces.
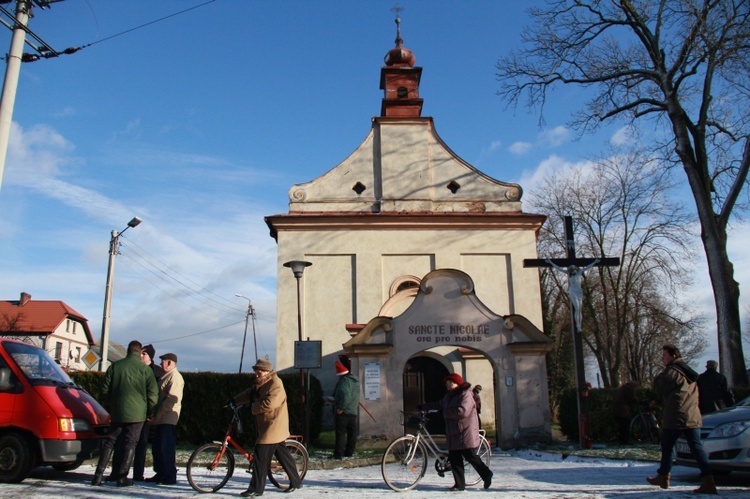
{"x":268,"y":404}
{"x":165,"y":419}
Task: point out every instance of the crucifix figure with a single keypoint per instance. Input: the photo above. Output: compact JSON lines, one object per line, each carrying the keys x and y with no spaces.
{"x":575,"y":286}
{"x":575,"y":268}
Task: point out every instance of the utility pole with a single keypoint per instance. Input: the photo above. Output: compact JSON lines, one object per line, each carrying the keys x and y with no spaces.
{"x":10,"y":85}
{"x":19,"y":26}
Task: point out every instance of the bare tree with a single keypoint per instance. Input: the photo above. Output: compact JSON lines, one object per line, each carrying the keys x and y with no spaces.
{"x":621,"y":208}
{"x":682,"y":66}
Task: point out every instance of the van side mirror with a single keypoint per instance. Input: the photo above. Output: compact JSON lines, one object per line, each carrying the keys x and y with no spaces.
{"x":6,"y":383}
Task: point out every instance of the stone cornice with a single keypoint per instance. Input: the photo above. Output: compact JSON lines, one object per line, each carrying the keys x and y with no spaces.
{"x":306,"y":221}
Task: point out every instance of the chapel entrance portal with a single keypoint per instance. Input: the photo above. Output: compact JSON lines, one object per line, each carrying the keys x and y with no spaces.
{"x":423,"y":382}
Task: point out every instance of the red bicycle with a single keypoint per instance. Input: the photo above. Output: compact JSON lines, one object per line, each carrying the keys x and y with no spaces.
{"x":211,"y":466}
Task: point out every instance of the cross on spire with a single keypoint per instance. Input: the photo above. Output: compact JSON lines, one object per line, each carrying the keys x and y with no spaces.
{"x":397,"y":10}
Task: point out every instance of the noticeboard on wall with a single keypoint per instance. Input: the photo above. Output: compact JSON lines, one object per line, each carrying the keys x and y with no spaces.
{"x":372,"y":381}
{"x":308,"y":354}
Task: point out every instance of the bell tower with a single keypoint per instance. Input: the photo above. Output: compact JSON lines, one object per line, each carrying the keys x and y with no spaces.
{"x":400,"y":81}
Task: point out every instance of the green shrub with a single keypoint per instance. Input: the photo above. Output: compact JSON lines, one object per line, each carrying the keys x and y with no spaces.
{"x":204,"y":418}
{"x":603,"y":424}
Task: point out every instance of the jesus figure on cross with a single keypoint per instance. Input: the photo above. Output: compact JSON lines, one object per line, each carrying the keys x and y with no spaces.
{"x":575,"y":287}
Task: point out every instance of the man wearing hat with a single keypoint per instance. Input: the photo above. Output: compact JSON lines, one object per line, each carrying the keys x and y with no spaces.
{"x":267,"y":399}
{"x":345,"y":405}
{"x":165,"y":419}
{"x":713,"y":393}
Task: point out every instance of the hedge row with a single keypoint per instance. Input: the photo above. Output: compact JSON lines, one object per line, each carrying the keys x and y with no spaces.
{"x":204,"y":417}
{"x":603,"y":425}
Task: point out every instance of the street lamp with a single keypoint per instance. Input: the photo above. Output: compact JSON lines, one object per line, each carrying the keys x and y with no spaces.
{"x":298,"y":268}
{"x":114,"y":244}
{"x":250,"y":313}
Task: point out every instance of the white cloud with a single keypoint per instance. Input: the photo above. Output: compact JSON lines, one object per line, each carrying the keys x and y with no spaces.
{"x":520,"y":148}
{"x":175,"y":275}
{"x":554,"y":137}
{"x":622,"y":136}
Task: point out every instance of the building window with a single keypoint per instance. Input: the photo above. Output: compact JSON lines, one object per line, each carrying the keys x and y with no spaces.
{"x":67,"y":326}
{"x":58,"y":351}
{"x":78,"y":354}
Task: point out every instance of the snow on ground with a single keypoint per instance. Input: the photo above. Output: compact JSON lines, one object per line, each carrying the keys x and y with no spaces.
{"x":518,"y":474}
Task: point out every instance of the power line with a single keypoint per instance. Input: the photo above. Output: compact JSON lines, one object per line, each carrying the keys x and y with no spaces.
{"x":175,"y":283}
{"x":199,"y":333}
{"x":197,"y":289}
{"x":44,"y":50}
{"x":148,"y":23}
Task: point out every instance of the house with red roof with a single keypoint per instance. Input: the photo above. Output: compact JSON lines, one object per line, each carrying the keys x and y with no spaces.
{"x":50,"y":324}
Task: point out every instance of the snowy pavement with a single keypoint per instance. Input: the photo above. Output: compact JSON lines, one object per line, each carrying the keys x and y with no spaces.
{"x":521,"y":474}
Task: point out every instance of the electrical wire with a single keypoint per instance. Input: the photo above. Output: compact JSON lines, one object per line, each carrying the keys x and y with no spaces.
{"x":193,"y":289}
{"x":148,"y":23}
{"x":199,"y":333}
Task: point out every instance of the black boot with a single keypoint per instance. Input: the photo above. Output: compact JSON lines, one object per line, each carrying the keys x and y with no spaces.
{"x":116,"y":461}
{"x":122,"y":473}
{"x":106,"y":453}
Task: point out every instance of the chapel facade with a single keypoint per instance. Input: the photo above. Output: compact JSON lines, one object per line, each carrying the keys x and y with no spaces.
{"x":417,"y":272}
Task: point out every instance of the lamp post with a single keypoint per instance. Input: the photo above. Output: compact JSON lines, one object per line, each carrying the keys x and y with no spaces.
{"x":250,"y":313}
{"x":113,"y":246}
{"x":298,"y":268}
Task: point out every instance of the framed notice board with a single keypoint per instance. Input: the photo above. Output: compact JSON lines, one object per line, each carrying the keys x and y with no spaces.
{"x":308,"y":354}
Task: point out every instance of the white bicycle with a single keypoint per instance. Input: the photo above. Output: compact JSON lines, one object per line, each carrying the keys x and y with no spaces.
{"x":405,"y":460}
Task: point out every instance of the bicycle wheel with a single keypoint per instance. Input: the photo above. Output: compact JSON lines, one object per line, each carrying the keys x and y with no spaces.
{"x":209,"y":469}
{"x":485,"y":453}
{"x":404,"y":463}
{"x":276,"y":473}
{"x":642,"y":431}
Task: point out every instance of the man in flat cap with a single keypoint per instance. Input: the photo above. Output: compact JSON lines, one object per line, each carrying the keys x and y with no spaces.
{"x":713,"y":393}
{"x":165,"y":420}
{"x":267,"y":399}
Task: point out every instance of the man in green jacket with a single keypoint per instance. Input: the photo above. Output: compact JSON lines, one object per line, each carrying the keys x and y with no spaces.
{"x":345,"y":405}
{"x":132,"y":394}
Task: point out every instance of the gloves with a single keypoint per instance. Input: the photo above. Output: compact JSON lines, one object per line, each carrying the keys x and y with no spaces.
{"x":230,"y":403}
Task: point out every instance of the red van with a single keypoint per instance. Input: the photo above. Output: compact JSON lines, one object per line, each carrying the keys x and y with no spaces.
{"x":45,"y":418}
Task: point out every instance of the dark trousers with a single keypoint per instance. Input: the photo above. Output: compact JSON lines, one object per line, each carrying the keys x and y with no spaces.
{"x":141,"y":447}
{"x":456,"y":458}
{"x":693,"y":437}
{"x":262,"y":461}
{"x":163,"y":448}
{"x":121,"y":437}
{"x":346,"y":435}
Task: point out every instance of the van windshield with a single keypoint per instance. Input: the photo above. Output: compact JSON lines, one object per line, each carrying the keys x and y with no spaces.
{"x":38,"y":366}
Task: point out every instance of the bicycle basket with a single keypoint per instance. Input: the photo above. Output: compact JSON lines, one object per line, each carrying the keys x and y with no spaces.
{"x":410,"y":420}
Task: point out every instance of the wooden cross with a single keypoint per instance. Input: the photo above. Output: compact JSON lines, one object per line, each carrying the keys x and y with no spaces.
{"x":575,"y":267}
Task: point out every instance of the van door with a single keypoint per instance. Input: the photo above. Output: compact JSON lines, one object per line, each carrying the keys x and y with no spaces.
{"x":9,"y":389}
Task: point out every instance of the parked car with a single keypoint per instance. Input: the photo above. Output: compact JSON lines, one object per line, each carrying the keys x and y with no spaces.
{"x":45,"y":418}
{"x":726,"y":439}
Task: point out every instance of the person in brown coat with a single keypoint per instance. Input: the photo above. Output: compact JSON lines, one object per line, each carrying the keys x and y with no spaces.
{"x":267,"y":399}
{"x":677,"y":387}
{"x":461,"y":430}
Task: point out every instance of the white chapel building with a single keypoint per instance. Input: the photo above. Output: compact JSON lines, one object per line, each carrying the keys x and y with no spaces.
{"x":417,"y":272}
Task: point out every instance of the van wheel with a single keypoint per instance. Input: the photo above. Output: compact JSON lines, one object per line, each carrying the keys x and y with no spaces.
{"x":16,"y":458}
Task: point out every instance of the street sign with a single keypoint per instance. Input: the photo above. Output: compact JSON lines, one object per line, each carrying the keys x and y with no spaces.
{"x":91,"y":358}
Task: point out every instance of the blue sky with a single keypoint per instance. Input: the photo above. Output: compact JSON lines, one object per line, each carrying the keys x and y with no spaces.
{"x":199,"y":124}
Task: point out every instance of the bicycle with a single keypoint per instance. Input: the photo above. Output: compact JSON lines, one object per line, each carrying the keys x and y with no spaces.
{"x":211,"y":466}
{"x":405,"y":460}
{"x":644,"y":426}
